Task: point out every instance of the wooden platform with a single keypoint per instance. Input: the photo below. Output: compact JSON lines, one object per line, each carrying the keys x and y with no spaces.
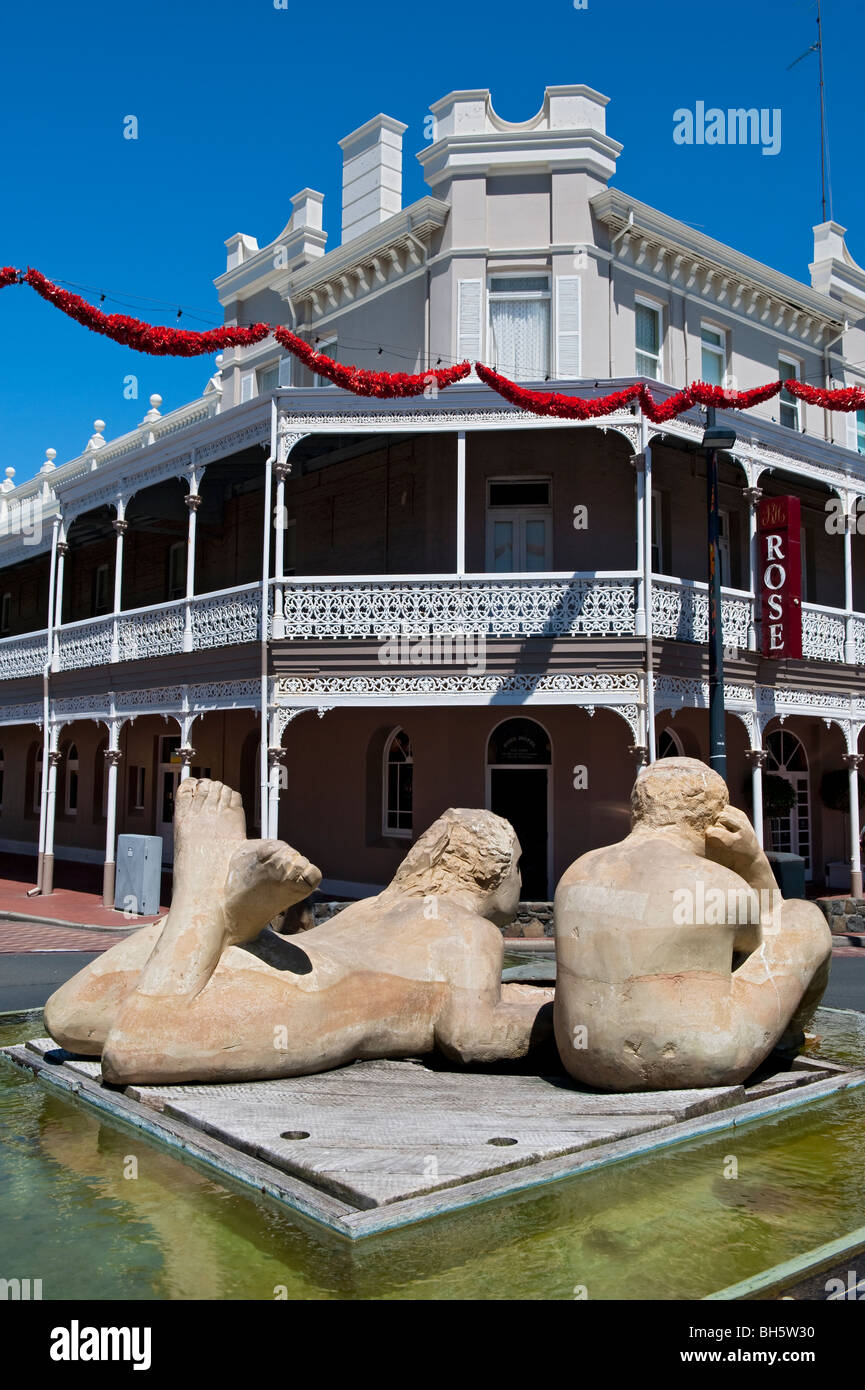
{"x":378,"y":1145}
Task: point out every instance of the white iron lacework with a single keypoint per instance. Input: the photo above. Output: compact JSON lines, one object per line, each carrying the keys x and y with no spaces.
{"x":516,"y":608}
{"x":85,"y":644}
{"x":158,"y":633}
{"x":218,"y":620}
{"x":225,"y":619}
{"x":822,"y":634}
{"x":606,"y":682}
{"x":23,"y":656}
{"x":681,"y":610}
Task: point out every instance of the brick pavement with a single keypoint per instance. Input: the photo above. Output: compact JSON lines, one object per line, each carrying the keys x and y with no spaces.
{"x":77,"y":897}
{"x":21,"y":938}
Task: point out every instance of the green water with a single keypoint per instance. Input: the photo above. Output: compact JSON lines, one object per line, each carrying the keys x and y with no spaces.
{"x":666,"y":1226}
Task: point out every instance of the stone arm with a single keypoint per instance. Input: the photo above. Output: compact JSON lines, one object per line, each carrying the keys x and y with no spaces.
{"x":731,"y":841}
{"x":778,"y":987}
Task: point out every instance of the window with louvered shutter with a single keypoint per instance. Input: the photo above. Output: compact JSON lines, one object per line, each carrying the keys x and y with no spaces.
{"x":567,"y":326}
{"x":469,"y":320}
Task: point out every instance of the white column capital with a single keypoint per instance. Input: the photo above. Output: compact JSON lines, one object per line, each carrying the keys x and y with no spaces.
{"x":756,"y":757}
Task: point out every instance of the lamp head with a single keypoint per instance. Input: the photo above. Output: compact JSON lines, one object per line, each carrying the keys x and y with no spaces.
{"x":718,"y":437}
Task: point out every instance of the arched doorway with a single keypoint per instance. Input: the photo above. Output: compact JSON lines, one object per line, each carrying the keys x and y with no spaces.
{"x":669,"y":745}
{"x":790,"y":833}
{"x":518,"y":788}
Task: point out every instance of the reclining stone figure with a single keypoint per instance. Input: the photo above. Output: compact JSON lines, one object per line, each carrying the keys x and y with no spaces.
{"x":662,"y":980}
{"x":205,"y":994}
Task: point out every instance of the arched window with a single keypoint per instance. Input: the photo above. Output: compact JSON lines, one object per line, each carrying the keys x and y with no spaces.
{"x":36,"y":789}
{"x":71,"y":804}
{"x":785,"y":753}
{"x":100,"y":782}
{"x":397,"y":795}
{"x":519,"y":741}
{"x":790,"y":831}
{"x":669,"y":745}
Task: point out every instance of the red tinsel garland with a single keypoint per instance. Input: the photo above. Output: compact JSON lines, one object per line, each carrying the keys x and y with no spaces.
{"x":552,"y":403}
{"x":844,"y":398}
{"x":363,"y":383}
{"x":180,"y":342}
{"x":144,"y":337}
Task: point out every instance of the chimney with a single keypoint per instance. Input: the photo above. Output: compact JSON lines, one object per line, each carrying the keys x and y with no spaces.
{"x":371,"y":175}
{"x":306,"y":209}
{"x":240,"y":249}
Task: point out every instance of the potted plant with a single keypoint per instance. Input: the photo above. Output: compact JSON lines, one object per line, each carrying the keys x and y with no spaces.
{"x":835,"y":790}
{"x":779,"y":796}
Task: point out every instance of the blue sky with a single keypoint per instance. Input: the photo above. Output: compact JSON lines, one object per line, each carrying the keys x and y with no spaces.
{"x":240,"y":105}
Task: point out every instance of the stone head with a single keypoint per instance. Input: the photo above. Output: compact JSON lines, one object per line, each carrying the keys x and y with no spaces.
{"x":679,"y":794}
{"x":466,"y":853}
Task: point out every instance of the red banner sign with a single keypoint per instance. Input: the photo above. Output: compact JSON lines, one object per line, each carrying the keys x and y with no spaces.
{"x":781,"y":576}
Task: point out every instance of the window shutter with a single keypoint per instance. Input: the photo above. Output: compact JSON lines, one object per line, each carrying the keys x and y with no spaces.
{"x":285,"y":370}
{"x":469,"y":324}
{"x":567,"y":326}
{"x":247,"y":386}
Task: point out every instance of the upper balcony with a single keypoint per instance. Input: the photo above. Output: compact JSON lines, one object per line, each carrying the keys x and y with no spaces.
{"x":212,"y":620}
{"x":378,"y":608}
{"x":391,"y":526}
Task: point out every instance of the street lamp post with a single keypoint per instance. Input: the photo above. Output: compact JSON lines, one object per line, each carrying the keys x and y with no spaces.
{"x":715,"y":438}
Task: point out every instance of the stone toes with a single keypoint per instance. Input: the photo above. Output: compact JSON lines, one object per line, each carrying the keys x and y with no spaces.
{"x":200,"y":793}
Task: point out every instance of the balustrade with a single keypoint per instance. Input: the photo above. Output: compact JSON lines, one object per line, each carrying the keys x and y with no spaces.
{"x":554,"y":605}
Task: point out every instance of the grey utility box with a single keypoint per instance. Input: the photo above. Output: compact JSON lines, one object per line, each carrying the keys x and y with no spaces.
{"x":789,"y":871}
{"x":139,"y":874}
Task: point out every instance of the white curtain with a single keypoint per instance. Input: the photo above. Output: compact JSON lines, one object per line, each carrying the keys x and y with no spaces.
{"x":521,"y":337}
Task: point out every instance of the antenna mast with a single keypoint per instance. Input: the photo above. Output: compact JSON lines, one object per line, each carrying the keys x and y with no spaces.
{"x":822,"y":112}
{"x":825,"y":174}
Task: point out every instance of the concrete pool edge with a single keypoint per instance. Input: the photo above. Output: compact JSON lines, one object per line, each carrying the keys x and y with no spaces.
{"x":323,"y":1208}
{"x":785,"y":1275}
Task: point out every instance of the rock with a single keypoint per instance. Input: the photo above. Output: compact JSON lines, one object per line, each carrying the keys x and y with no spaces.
{"x":299,"y":917}
{"x":534,"y":928}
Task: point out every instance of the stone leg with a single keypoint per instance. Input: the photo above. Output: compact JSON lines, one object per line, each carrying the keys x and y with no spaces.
{"x":81,"y":1013}
{"x":482,"y":1031}
{"x":790,"y":972}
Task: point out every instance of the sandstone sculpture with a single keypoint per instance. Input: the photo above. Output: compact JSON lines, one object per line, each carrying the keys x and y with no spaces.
{"x":206,"y":994}
{"x":678,"y":963}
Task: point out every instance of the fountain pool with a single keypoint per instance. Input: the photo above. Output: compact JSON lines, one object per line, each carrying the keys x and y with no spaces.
{"x":668,"y":1225}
